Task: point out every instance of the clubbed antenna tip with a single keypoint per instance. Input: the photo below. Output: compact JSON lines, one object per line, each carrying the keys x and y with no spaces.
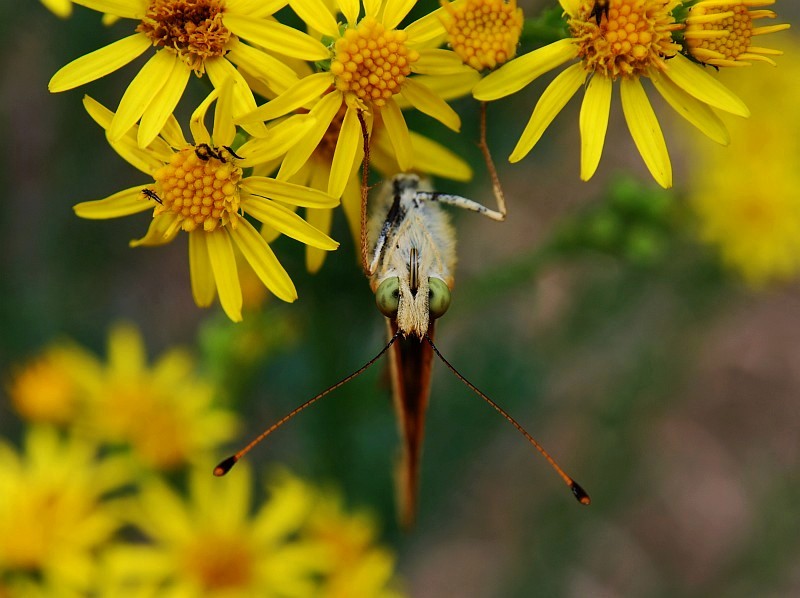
{"x":580,"y":493}
{"x":226,"y":465}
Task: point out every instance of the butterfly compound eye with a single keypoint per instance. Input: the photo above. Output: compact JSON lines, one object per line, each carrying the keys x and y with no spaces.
{"x":387,"y":297}
{"x":439,"y":297}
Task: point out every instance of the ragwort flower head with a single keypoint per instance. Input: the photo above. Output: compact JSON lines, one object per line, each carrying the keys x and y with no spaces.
{"x":53,"y":512}
{"x":626,"y":41}
{"x":200,"y":188}
{"x":200,"y":36}
{"x":721,"y":32}
{"x":371,"y":63}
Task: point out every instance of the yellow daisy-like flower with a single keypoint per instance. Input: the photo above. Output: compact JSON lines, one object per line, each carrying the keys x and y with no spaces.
{"x":213,"y":545}
{"x":310,"y":165}
{"x":164,"y":413}
{"x":371,"y":64}
{"x":720,"y":32}
{"x":201,"y":188}
{"x":53,"y":517}
{"x":747,"y":197}
{"x":60,"y":8}
{"x":200,"y":36}
{"x":626,"y":41}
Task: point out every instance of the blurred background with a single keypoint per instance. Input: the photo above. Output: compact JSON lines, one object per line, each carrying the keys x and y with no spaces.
{"x":648,"y":339}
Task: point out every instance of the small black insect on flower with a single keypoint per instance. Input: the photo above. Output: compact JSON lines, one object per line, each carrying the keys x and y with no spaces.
{"x":599,"y":9}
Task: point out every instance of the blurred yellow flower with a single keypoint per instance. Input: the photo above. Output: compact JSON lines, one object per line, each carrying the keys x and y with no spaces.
{"x":624,"y":40}
{"x":747,"y":196}
{"x":53,"y":517}
{"x":213,"y":544}
{"x":165,"y":413}
{"x":200,"y":36}
{"x":44,"y":389}
{"x":201,"y":188}
{"x":720,"y":33}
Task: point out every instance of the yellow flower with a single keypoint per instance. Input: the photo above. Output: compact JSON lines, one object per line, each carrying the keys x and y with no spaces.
{"x":213,"y":545}
{"x":165,"y":413}
{"x":60,"y":8}
{"x":201,"y":188}
{"x":309,"y":164}
{"x":53,"y":517}
{"x":747,"y":197}
{"x":720,"y":32}
{"x":370,"y":65}
{"x":630,"y":40}
{"x":200,"y":36}
{"x":45,"y":389}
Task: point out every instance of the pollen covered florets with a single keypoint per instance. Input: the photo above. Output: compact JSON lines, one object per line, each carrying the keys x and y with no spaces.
{"x":484,"y":33}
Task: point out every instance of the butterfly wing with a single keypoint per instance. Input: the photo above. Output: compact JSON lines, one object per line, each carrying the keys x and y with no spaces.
{"x":411,"y":363}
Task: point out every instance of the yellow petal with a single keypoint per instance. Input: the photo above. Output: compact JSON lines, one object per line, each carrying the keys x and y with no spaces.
{"x":570,"y":6}
{"x":692,"y":109}
{"x":698,"y":83}
{"x":315,"y":14}
{"x":427,"y":102}
{"x":447,"y":87}
{"x":255,"y":8}
{"x":351,"y":138}
{"x":286,"y":192}
{"x":517,"y":73}
{"x":428,"y":30}
{"x":554,"y":98}
{"x":301,"y":93}
{"x":645,"y":130}
{"x":350,"y":9}
{"x":276,"y":37}
{"x":219,"y":70}
{"x":143,"y":90}
{"x":372,"y":7}
{"x":197,"y":122}
{"x":127,"y":9}
{"x":173,"y":134}
{"x":439,"y":62}
{"x":263,"y":261}
{"x":398,"y":134}
{"x":159,"y":111}
{"x":224,"y":131}
{"x":315,"y":257}
{"x":290,"y":224}
{"x":60,"y":8}
{"x":124,"y":203}
{"x":162,"y":230}
{"x":223,"y":266}
{"x":126,"y":351}
{"x":323,"y":112}
{"x":203,"y":287}
{"x":260,"y":65}
{"x":594,"y":123}
{"x":395,"y":11}
{"x":99,"y":63}
{"x":280,"y":138}
{"x":127,"y":147}
{"x":434,"y":158}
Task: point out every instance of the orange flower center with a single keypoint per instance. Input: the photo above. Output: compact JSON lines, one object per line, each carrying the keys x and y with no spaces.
{"x":220,"y":563}
{"x":200,"y":186}
{"x":371,"y":63}
{"x":484,"y":33}
{"x":625,"y":37}
{"x":192,"y":28}
{"x":718,"y":33}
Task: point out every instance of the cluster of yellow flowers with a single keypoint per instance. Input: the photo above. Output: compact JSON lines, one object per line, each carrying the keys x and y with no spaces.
{"x":86,"y":507}
{"x":343,"y":84}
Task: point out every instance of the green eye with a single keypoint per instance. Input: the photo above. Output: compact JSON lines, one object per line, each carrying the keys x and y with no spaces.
{"x":387,"y":297}
{"x":439,"y":297}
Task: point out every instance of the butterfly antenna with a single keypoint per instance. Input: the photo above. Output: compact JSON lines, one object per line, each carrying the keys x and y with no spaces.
{"x":579,"y":492}
{"x":227,"y":464}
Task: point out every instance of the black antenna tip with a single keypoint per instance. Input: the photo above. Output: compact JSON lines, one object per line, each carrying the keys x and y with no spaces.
{"x":579,"y":493}
{"x":226,"y":465}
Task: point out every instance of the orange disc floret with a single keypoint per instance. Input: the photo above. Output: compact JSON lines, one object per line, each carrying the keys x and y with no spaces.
{"x":484,"y":33}
{"x":200,"y":185}
{"x":371,"y":62}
